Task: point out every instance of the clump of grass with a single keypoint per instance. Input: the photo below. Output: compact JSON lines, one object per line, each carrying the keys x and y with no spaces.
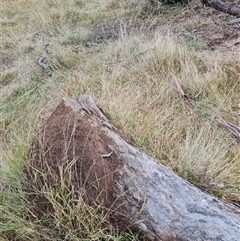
{"x":67,"y":216}
{"x":147,"y":92}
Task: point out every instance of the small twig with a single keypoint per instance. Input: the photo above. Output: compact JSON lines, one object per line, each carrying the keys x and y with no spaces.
{"x":179,"y":88}
{"x":30,"y":91}
{"x":44,"y":66}
{"x":199,"y":93}
{"x":186,"y":99}
{"x":44,"y":51}
{"x":235,"y":130}
{"x":46,"y":69}
{"x":107,"y":155}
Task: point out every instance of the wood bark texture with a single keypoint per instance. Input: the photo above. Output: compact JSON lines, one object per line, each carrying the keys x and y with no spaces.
{"x":224,"y":7}
{"x":137,"y":192}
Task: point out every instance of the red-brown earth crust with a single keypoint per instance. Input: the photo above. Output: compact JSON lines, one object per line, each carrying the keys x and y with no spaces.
{"x":70,"y":149}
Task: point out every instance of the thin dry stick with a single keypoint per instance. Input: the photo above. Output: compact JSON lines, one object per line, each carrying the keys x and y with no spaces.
{"x":179,"y":88}
{"x":235,"y":130}
{"x":183,"y":96}
{"x":46,"y":69}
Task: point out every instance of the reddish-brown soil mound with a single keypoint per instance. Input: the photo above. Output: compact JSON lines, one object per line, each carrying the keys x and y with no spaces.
{"x":70,"y":151}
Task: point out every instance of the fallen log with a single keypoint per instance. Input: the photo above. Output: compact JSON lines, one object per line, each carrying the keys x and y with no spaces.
{"x":219,"y":5}
{"x":224,"y":7}
{"x":136,"y":192}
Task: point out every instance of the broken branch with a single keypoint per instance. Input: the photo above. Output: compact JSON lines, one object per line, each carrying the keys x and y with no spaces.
{"x":235,"y":130}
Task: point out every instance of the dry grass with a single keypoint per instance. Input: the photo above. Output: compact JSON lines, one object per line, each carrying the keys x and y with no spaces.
{"x":131,"y":77}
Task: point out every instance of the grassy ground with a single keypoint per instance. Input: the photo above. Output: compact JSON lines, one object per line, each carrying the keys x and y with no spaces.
{"x":125,"y":55}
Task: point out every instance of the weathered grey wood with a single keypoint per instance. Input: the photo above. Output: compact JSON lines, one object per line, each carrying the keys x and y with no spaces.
{"x":136,"y":191}
{"x":223,"y":7}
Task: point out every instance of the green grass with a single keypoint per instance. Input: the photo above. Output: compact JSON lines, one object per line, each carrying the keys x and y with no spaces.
{"x":131,"y":77}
